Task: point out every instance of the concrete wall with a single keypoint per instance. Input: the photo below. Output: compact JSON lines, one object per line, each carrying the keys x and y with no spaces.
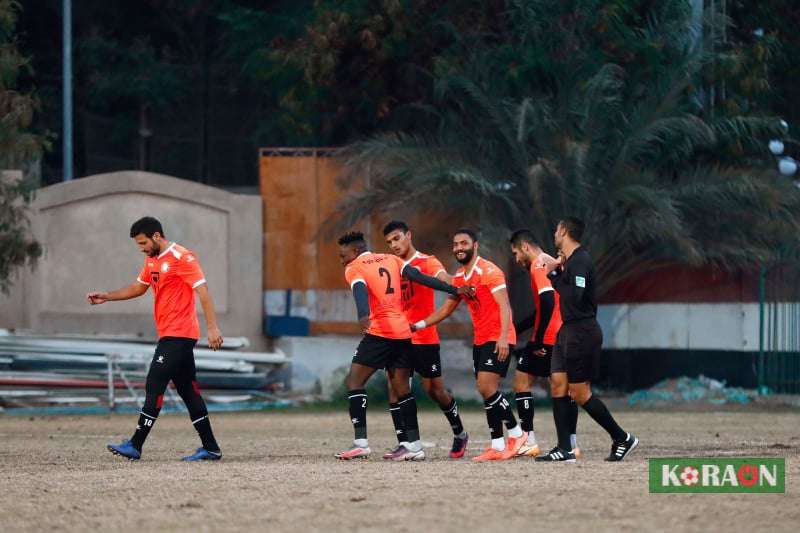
{"x":320,"y":363}
{"x":84,"y":226}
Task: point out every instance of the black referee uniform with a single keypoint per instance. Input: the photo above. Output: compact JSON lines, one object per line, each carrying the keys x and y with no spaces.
{"x":577,"y":353}
{"x":580,"y":339}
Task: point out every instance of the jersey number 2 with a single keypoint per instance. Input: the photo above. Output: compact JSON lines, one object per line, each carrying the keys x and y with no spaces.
{"x":389,"y":289}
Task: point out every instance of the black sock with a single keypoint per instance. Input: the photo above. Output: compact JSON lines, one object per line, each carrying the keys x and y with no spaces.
{"x":397,"y":420}
{"x":203,"y":428}
{"x":525,"y":410}
{"x":358,"y":411}
{"x":573,"y":417}
{"x":451,"y":412}
{"x":561,"y":417}
{"x":408,"y":409}
{"x":143,"y":427}
{"x":494,"y":416}
{"x":189,"y":391}
{"x":599,"y":412}
{"x":506,"y":413}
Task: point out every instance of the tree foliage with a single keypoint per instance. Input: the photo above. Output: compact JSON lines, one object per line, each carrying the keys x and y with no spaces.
{"x":18,"y":146}
{"x":601,"y":110}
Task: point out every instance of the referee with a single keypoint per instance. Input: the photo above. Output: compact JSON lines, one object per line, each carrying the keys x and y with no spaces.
{"x":576,"y":355}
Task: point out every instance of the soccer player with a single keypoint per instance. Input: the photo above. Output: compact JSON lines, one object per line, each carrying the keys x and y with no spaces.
{"x":576,"y":356}
{"x":418,"y":303}
{"x":534,"y":359}
{"x":375,"y":282}
{"x":174,"y":275}
{"x":493,"y":334}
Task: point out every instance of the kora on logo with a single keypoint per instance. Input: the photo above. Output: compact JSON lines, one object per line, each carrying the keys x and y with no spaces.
{"x":690,"y":476}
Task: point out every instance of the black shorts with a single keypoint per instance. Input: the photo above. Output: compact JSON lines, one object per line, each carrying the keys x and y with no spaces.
{"x":380,"y":352}
{"x":427,"y":360}
{"x":485,"y":360}
{"x":530,"y":363}
{"x":577,"y":350}
{"x":173,"y":360}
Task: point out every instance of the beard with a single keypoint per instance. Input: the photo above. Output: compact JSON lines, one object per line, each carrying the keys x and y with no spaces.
{"x":468,"y":255}
{"x":154,"y":251}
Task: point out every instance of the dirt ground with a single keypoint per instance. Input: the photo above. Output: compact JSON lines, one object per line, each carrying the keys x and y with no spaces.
{"x":278,"y":474}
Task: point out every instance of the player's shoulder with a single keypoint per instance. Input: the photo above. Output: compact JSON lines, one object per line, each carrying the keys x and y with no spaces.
{"x":427,"y":260}
{"x":183,"y":254}
{"x":484,"y":266}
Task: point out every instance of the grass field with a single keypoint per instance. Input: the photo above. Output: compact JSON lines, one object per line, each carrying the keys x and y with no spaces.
{"x":278,"y":474}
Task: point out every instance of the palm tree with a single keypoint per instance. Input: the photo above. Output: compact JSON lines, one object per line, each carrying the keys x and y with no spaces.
{"x":593,"y":112}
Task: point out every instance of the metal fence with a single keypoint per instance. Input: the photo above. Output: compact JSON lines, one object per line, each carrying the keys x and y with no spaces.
{"x":779,"y":329}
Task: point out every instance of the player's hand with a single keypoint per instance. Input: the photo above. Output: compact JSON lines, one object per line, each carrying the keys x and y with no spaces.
{"x":214,"y":338}
{"x":541,"y":352}
{"x":501,"y":349}
{"x":364,"y":323}
{"x":549,"y":262}
{"x":97,"y":298}
{"x":467,"y":290}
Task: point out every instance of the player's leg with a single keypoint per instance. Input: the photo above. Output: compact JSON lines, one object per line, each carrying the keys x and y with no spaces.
{"x":158,"y":376}
{"x":189,"y":390}
{"x":356,"y":382}
{"x":524,"y":376}
{"x":400,"y":368}
{"x":397,"y":418}
{"x":523,"y":397}
{"x":371,"y":355}
{"x":489,"y":372}
{"x":582,"y":367}
{"x":436,"y":390}
{"x":559,"y":392}
{"x":427,"y":362}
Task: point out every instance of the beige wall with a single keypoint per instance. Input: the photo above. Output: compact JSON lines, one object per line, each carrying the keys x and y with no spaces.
{"x":83,"y":227}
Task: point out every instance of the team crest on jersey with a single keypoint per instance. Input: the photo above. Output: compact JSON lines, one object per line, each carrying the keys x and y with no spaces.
{"x":154,"y":277}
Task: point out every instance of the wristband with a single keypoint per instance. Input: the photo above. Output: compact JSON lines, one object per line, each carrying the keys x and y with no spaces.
{"x":420,"y":325}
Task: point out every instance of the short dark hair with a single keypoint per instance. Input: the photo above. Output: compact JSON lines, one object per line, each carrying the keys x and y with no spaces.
{"x":353,"y":238}
{"x":147,"y":226}
{"x":574,"y":227}
{"x":467,"y":231}
{"x":393,"y":225}
{"x":523,"y":235}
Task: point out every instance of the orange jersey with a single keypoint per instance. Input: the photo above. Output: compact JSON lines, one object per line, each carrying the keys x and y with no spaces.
{"x":541,"y":283}
{"x":418,"y":300}
{"x":381,"y":274}
{"x":173,"y":276}
{"x":487,"y":279}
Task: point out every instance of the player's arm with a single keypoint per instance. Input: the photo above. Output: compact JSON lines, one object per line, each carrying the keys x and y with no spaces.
{"x":212,"y":331}
{"x":500,"y":295}
{"x":437,"y":316}
{"x":547,"y":303}
{"x":434,"y":283}
{"x":361,"y":297}
{"x":134,"y":290}
{"x":444,"y":277}
{"x":579,"y":277}
{"x":552,"y":266}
